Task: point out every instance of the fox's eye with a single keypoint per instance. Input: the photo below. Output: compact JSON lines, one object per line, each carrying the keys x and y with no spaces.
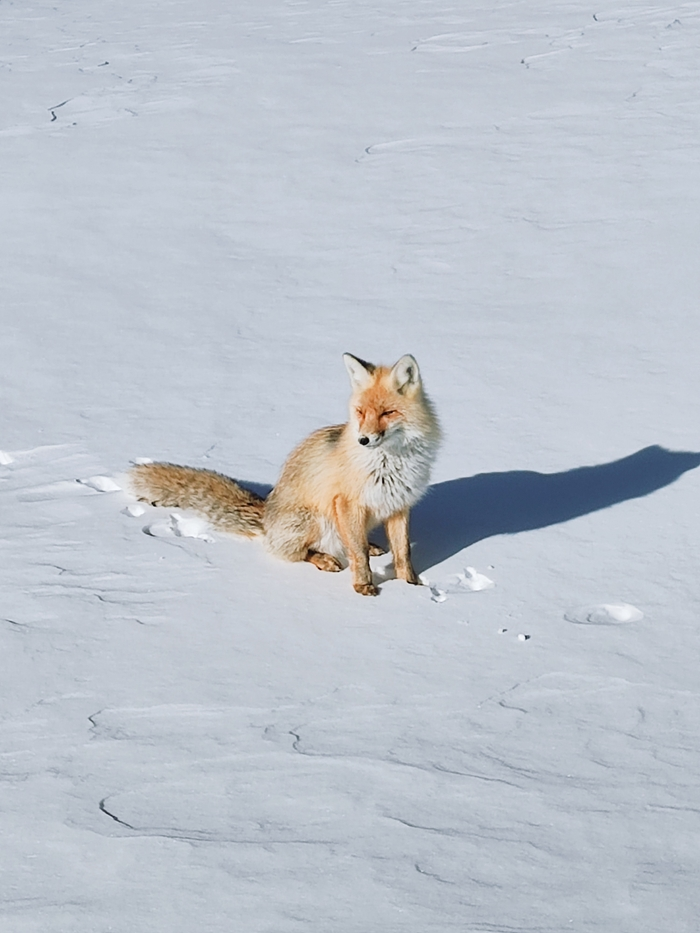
{"x":386,"y":414}
{"x":358,"y":412}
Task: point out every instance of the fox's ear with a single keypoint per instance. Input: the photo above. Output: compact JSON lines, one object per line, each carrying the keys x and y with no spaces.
{"x":360,"y":371}
{"x":406,"y":374}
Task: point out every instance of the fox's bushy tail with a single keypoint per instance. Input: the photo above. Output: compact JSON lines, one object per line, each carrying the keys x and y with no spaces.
{"x":228,"y":506}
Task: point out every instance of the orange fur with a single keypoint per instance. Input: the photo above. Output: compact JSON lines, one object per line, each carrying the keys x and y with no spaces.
{"x":335,"y":486}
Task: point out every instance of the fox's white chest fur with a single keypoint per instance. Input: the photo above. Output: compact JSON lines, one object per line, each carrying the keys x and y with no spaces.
{"x":397,"y":476}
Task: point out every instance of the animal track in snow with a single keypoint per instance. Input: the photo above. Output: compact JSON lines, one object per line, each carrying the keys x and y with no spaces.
{"x":605,"y":614}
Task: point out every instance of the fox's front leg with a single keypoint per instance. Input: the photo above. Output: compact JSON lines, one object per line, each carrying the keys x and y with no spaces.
{"x":399,"y":541}
{"x":351,"y":521}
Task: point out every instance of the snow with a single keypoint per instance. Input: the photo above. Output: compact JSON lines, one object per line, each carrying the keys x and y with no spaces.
{"x":203,"y":208}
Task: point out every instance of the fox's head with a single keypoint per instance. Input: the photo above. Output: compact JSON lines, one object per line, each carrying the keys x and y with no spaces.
{"x":387,"y":403}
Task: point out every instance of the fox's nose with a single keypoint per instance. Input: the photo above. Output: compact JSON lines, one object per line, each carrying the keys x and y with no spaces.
{"x":363,"y":439}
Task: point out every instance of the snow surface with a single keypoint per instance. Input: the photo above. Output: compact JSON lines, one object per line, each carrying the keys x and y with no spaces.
{"x":204,"y":205}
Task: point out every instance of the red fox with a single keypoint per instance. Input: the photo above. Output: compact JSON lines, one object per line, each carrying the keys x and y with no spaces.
{"x":336,"y":486}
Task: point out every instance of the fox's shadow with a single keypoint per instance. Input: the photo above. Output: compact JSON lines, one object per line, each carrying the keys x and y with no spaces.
{"x":460,"y":512}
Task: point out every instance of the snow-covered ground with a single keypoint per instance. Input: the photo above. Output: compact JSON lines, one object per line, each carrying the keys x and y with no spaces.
{"x":203,"y":206}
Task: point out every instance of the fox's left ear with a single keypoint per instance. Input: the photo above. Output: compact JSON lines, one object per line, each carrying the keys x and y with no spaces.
{"x":406,"y":374}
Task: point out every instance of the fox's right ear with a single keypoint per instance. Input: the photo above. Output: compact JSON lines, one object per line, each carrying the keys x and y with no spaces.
{"x":360,"y":371}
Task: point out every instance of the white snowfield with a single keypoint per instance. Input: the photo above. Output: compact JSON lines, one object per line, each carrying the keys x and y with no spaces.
{"x":204,"y":206}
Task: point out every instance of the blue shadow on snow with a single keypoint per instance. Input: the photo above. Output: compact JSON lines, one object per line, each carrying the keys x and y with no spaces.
{"x":460,"y":512}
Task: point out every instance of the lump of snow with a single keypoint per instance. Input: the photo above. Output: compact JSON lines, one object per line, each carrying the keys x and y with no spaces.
{"x":180,"y":526}
{"x":159,"y":530}
{"x":605,"y":614}
{"x":472,"y":580}
{"x":101,"y":483}
{"x":190,"y":527}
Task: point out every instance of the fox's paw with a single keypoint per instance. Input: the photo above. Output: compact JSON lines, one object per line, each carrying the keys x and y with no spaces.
{"x":366,"y":589}
{"x":409,"y":575}
{"x":324,"y":561}
{"x":375,"y":550}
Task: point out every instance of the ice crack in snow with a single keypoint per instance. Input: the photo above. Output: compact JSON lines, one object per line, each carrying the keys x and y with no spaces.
{"x":430,"y":874}
{"x":426,"y":829}
{"x":205,"y":836}
{"x":112,"y":816}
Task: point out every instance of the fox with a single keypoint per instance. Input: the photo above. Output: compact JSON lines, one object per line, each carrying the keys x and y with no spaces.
{"x":336,"y":486}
